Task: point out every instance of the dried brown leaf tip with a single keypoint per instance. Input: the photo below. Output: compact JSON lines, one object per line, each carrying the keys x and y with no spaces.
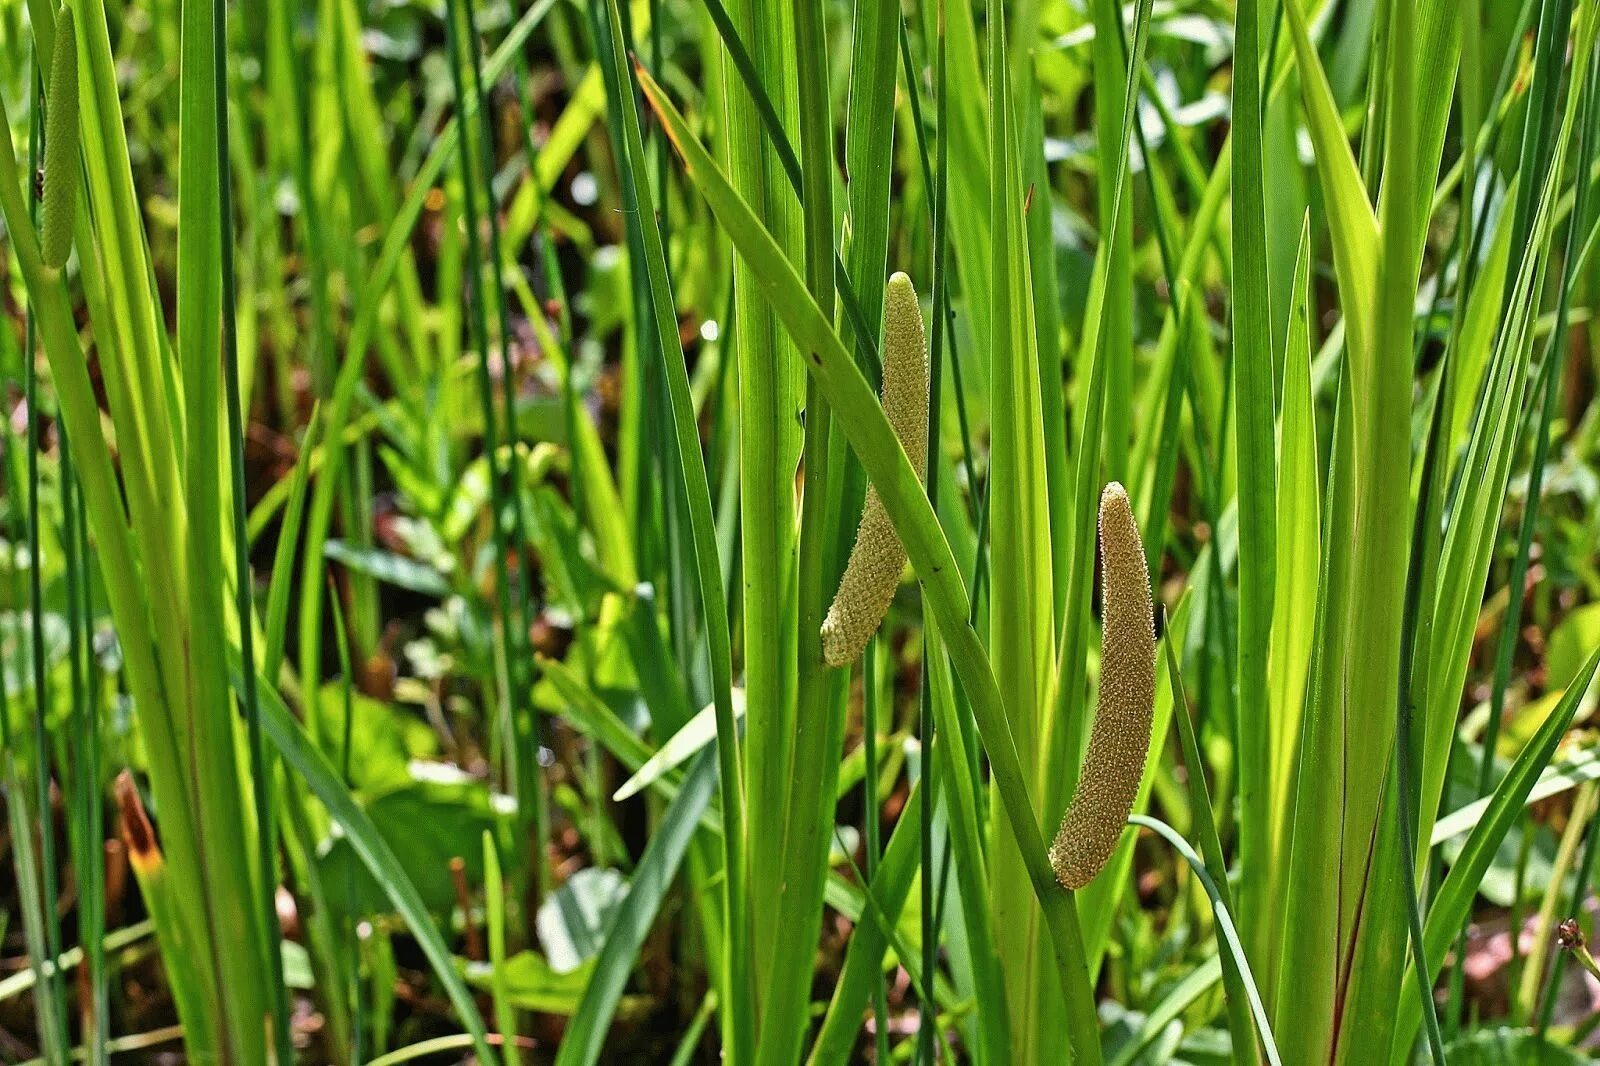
{"x":137,"y":833}
{"x":1120,"y":739}
{"x":877,"y":557}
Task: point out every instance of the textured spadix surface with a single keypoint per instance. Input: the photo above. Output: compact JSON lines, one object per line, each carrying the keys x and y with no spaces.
{"x":876,"y":559}
{"x":1120,"y":739}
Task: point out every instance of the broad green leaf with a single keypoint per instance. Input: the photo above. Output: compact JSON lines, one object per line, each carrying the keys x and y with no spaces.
{"x":572,"y":920}
{"x":1480,"y":323}
{"x":389,"y":737}
{"x":1352,"y":226}
{"x":1254,"y":388}
{"x":1022,"y":629}
{"x":1294,"y":597}
{"x":531,"y":984}
{"x":388,"y":567}
{"x":426,"y":823}
{"x":968,"y":224}
{"x":1510,"y":1047}
{"x":771,"y":391}
{"x":1565,"y":649}
{"x":1368,"y":634}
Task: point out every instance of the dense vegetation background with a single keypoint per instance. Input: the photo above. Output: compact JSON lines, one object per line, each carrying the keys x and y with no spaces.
{"x":434,"y":433}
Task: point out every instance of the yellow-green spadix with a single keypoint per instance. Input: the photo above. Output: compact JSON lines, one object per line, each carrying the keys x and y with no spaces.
{"x":1120,"y":739}
{"x":61,"y":145}
{"x":876,"y":559}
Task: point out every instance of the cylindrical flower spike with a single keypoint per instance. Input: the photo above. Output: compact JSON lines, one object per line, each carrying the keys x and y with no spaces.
{"x":61,"y":145}
{"x":1120,"y":739}
{"x":876,"y":559}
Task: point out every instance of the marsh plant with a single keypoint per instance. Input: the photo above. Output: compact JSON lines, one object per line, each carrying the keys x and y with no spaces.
{"x":498,"y":547}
